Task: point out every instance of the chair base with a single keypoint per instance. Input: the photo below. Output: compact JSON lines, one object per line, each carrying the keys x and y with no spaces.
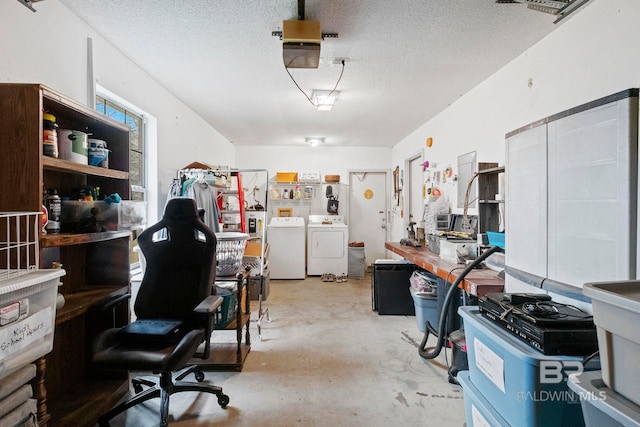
{"x":164,"y":386}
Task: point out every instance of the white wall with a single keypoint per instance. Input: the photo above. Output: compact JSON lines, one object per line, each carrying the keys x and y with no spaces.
{"x":50,"y":47}
{"x":324,"y":159}
{"x":589,"y":56}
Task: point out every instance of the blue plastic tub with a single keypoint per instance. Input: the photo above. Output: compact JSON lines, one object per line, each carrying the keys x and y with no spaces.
{"x":426,"y":310}
{"x":495,"y":238}
{"x":477,"y":411}
{"x":508,"y":373}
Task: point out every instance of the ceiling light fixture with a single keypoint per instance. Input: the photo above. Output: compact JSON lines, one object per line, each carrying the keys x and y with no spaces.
{"x":314,"y":141}
{"x":323,"y":100}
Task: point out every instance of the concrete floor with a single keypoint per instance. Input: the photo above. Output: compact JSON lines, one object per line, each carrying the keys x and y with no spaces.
{"x":326,"y":359}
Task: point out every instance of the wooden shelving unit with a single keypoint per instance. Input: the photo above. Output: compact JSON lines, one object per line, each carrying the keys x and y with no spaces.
{"x":488,"y":206}
{"x":231,"y":355}
{"x":96,"y":264}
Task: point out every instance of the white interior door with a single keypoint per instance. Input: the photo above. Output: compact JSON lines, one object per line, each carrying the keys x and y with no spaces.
{"x":368,"y":212}
{"x":416,"y":197}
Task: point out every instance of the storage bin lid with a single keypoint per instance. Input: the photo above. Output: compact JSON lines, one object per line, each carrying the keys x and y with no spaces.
{"x":624,"y":294}
{"x":32,"y":278}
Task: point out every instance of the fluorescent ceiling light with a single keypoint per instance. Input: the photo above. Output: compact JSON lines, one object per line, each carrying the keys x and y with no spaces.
{"x":324,"y":99}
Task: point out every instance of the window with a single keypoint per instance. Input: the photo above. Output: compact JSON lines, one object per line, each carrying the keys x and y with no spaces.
{"x":139,"y":154}
{"x":137,"y":143}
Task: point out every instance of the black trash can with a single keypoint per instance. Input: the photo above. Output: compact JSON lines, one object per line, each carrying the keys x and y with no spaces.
{"x":390,"y":287}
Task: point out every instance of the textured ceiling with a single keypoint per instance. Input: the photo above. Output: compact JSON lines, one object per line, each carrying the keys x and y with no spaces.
{"x":407,"y":60}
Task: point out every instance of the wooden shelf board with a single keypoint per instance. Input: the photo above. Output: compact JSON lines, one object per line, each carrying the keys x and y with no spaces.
{"x":53,"y":163}
{"x":232,"y":326}
{"x":77,"y":303}
{"x":86,"y":403}
{"x":69,"y":239}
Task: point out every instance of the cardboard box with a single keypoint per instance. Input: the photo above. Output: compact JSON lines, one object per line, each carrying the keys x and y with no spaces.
{"x":286,"y":176}
{"x":254,"y":249}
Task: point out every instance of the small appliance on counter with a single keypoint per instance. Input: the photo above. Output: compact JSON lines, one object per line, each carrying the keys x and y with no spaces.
{"x":460,"y":237}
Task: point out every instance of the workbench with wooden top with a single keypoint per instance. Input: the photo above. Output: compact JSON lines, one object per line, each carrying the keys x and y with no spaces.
{"x":478,"y":282}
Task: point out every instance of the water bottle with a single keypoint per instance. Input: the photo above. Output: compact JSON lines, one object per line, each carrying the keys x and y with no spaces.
{"x":54,"y":209}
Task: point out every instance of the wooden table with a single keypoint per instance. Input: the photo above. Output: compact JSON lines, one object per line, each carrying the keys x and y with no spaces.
{"x":478,"y":282}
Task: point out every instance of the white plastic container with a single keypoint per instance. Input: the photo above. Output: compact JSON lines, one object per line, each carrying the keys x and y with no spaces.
{"x":616,"y":314}
{"x":27,"y":317}
{"x":602,"y":406}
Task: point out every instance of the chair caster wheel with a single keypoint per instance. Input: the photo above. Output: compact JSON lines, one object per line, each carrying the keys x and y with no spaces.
{"x":223,"y":400}
{"x":199,"y":376}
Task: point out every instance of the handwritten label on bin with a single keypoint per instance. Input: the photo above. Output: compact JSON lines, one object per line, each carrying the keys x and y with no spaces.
{"x":489,"y":363}
{"x":19,"y":335}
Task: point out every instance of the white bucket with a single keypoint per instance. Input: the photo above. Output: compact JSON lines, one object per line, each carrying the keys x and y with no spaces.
{"x":73,"y":146}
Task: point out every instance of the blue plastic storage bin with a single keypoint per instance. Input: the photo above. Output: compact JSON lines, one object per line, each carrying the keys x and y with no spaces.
{"x":507,"y":372}
{"x":496,"y":239}
{"x":477,"y":411}
{"x":601,"y":405}
{"x":426,"y":309}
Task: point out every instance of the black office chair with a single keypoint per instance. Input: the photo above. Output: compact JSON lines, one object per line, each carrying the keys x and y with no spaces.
{"x":175,"y":292}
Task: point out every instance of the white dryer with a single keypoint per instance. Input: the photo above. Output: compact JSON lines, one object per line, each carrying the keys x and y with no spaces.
{"x":286,"y":239}
{"x":327,"y":245}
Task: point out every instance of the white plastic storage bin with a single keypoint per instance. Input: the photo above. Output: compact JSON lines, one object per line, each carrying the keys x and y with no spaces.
{"x":27,"y":317}
{"x":616,"y":314}
{"x":478,"y":412}
{"x":602,"y":406}
{"x":508,"y":373}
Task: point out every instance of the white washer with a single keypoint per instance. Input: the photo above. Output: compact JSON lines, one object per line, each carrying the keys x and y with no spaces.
{"x":286,"y":239}
{"x":327,"y":245}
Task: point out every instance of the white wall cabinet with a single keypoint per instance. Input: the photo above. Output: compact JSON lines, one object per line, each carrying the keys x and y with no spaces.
{"x":526,"y":195}
{"x":572,"y":193}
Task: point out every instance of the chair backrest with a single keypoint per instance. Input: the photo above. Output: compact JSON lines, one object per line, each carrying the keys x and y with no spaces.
{"x":180,"y":254}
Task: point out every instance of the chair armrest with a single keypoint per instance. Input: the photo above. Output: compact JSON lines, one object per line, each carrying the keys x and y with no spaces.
{"x":206,"y":308}
{"x":209,"y":304}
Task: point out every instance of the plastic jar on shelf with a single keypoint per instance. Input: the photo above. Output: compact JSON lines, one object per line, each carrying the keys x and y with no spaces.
{"x":49,"y":135}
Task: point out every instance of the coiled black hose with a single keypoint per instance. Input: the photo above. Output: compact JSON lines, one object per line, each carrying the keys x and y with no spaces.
{"x":422,"y":350}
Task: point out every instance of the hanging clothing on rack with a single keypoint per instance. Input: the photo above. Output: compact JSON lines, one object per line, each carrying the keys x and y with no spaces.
{"x":175,"y":189}
{"x":194,"y":184}
{"x":205,"y":198}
